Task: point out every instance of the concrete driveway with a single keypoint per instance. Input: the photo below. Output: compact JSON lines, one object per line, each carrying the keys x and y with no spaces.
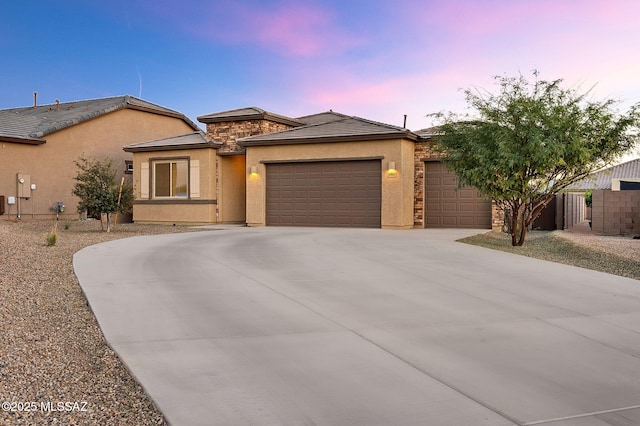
{"x":284,"y":326}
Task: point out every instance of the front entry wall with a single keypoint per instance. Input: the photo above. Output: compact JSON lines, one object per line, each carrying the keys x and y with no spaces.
{"x":395,"y":188}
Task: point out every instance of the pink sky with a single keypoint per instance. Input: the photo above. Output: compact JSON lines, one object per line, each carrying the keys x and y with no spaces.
{"x":371,"y":58}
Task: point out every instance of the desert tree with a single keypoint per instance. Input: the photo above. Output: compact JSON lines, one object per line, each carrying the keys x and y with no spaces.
{"x":98,"y":190}
{"x":530,"y":140}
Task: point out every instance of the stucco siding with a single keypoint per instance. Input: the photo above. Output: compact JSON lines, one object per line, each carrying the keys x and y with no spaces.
{"x":232,"y":191}
{"x":51,"y":165}
{"x":194,"y":209}
{"x":397,"y":190}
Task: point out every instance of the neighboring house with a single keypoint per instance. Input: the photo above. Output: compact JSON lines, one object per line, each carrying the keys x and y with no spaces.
{"x":39,"y":145}
{"x":625,"y":176}
{"x":325,"y":169}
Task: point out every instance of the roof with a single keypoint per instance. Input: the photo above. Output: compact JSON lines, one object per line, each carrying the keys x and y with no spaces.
{"x":340,"y":128}
{"x":247,"y":113}
{"x":188,"y":141}
{"x":602,"y":179}
{"x":429,"y":132}
{"x":323,"y":117}
{"x":30,"y":125}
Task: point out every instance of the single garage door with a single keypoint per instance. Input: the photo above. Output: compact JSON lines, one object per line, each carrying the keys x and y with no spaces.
{"x":326,"y":193}
{"x":446,"y":206}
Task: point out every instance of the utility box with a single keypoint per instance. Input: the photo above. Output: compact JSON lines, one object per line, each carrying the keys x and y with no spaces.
{"x":24,"y":185}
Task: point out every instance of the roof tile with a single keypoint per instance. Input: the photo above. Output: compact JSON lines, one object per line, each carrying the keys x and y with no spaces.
{"x":31,"y":123}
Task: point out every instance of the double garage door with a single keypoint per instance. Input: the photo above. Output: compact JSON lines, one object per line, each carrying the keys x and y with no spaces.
{"x":325,"y":193}
{"x":446,"y":206}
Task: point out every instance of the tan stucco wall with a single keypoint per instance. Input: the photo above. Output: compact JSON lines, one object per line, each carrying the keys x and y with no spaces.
{"x":201,"y":209}
{"x":231,"y":194}
{"x":51,"y":166}
{"x":397,"y":192}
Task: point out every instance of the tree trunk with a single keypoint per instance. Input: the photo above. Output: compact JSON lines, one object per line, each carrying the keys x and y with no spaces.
{"x":515,"y":215}
{"x":523,"y":233}
{"x":108,"y":222}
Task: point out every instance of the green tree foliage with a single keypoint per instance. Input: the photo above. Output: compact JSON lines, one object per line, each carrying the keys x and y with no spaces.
{"x":531,"y":140}
{"x":98,"y":190}
{"x":588,"y":197}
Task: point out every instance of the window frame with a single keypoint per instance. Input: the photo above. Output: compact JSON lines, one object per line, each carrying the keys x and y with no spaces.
{"x":169,"y":160}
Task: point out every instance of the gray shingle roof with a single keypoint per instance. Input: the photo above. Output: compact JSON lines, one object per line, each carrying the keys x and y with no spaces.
{"x":247,"y":113}
{"x":188,"y":141}
{"x":602,"y":179}
{"x":341,"y":129}
{"x":323,"y":117}
{"x":31,"y":125}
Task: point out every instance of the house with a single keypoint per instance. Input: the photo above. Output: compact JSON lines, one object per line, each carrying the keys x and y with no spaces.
{"x":325,"y":169}
{"x":39,"y":145}
{"x":622,"y":177}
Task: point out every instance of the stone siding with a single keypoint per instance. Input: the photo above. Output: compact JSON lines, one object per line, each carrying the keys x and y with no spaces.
{"x":228,"y":132}
{"x":422,"y":152}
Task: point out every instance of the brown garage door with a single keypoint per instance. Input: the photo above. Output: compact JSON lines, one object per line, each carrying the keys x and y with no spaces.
{"x":327,"y":193}
{"x":449,"y":207}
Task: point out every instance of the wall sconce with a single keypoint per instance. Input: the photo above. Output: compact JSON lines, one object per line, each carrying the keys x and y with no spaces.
{"x":253,"y":170}
{"x":391,"y":169}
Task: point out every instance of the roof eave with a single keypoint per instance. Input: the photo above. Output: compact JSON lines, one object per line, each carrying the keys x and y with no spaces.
{"x":178,"y":115}
{"x":328,"y":139}
{"x":247,"y":117}
{"x":26,"y":141}
{"x":176,"y":147}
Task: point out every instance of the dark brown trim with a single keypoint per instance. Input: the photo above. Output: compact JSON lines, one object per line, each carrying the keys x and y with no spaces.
{"x":174,"y":201}
{"x":30,"y":141}
{"x":330,"y":139}
{"x":160,"y":148}
{"x":318,"y":160}
{"x":425,"y":160}
{"x":231,"y":153}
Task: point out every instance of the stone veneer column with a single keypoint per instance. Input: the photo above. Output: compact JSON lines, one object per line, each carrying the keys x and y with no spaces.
{"x":422,"y":152}
{"x":228,"y":132}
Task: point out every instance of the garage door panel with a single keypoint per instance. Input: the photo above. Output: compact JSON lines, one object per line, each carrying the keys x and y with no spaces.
{"x":467,"y":221}
{"x":446,"y":205}
{"x":449,"y":207}
{"x":466,"y":207}
{"x":466,"y":193}
{"x":450,"y":194}
{"x":336,"y":193}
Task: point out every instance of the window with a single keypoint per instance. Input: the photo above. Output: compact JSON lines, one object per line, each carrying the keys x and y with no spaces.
{"x":128,"y":167}
{"x":170,"y":179}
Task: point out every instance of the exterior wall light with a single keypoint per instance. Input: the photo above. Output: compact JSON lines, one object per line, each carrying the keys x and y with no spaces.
{"x":253,"y":171}
{"x":391,"y":169}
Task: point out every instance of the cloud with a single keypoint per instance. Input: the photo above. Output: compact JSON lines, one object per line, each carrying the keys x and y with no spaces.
{"x":286,"y":28}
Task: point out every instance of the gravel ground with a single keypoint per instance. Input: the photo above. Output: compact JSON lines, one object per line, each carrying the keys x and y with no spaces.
{"x":51,"y":348}
{"x":578,"y":247}
{"x":624,"y":246}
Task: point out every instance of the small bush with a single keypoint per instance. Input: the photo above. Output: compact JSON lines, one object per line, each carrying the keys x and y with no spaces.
{"x":67,"y":225}
{"x":52,"y":237}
